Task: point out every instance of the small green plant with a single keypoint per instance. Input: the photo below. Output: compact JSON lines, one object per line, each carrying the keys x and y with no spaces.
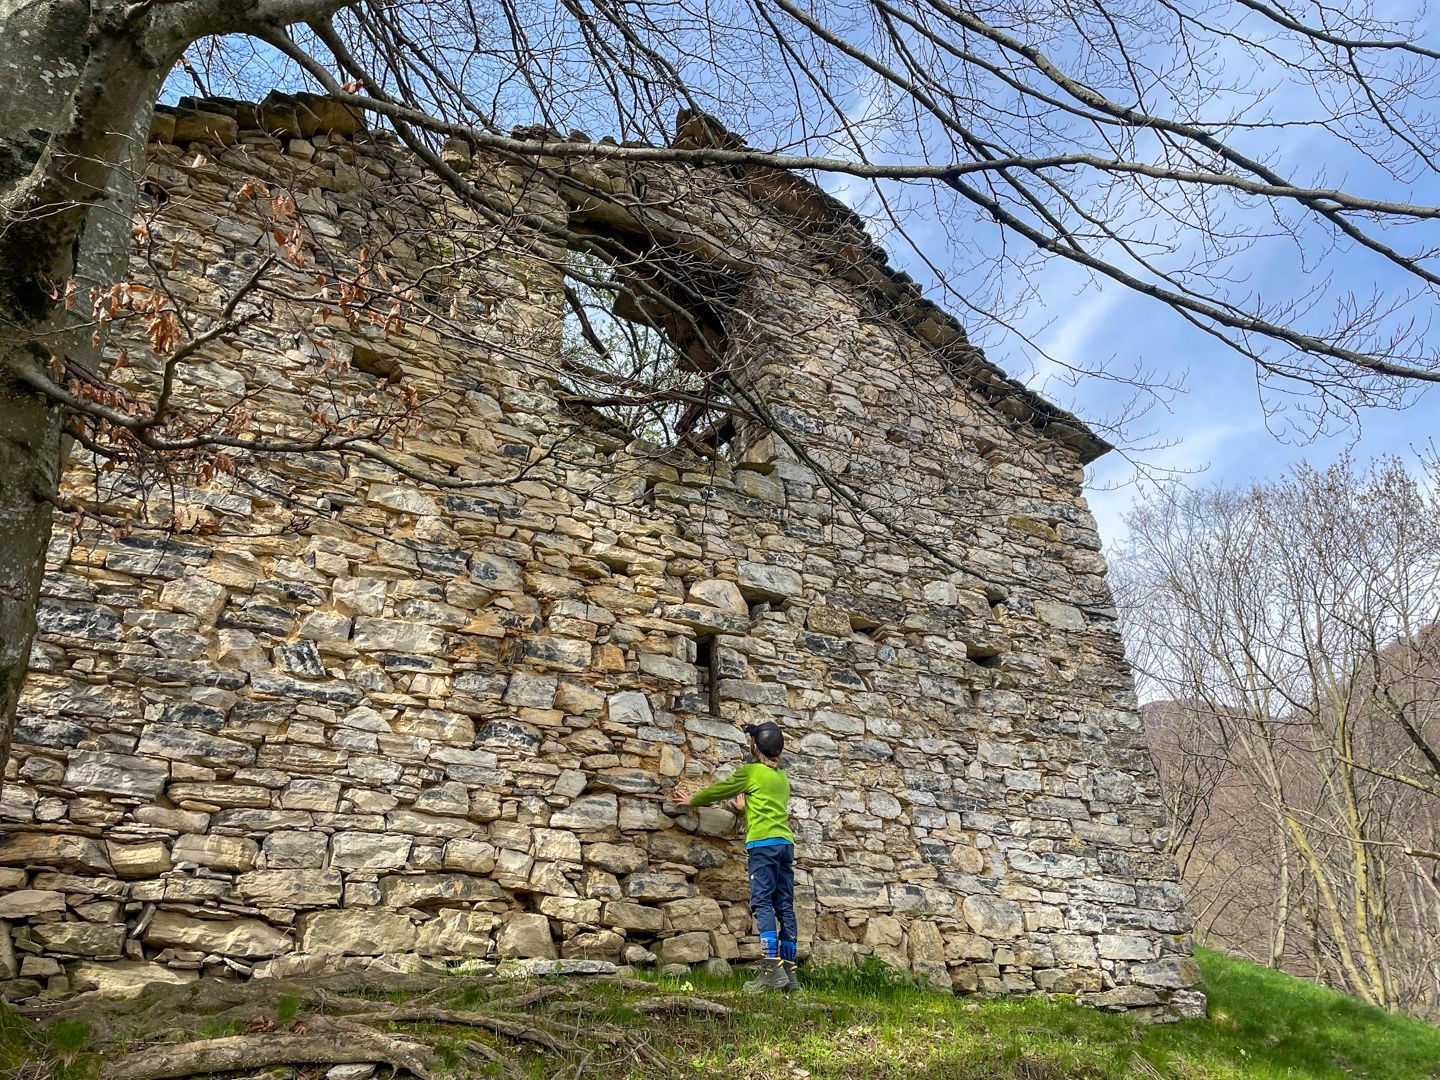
{"x":286,"y":1008}
{"x":69,"y":1036}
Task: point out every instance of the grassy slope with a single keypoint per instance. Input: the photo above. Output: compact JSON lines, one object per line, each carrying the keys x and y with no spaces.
{"x":1264,"y":1026}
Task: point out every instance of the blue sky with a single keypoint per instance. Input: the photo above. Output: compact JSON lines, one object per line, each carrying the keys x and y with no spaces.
{"x":1216,"y":427}
{"x":1220,"y":430}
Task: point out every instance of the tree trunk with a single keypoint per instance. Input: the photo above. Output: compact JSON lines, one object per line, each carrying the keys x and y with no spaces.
{"x":31,"y":455}
{"x":73,"y":123}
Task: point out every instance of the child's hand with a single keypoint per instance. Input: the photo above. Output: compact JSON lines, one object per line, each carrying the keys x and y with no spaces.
{"x":679,"y":797}
{"x":738,"y":803}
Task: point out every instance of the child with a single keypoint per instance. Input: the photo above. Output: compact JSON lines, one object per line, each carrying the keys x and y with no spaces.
{"x":769,"y":849}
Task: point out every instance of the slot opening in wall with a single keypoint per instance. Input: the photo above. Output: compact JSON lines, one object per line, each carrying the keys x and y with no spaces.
{"x":708,"y":664}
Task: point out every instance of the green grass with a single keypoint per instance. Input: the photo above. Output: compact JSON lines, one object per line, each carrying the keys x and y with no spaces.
{"x":873,"y":1022}
{"x":877,"y":1023}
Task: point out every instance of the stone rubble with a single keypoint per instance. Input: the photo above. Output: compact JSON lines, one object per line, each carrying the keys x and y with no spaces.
{"x":347,"y":718}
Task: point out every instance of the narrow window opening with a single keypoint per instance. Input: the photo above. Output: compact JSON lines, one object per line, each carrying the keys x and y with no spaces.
{"x":707,"y":661}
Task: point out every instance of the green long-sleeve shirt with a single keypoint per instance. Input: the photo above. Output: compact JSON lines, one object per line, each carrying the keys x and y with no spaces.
{"x":767,"y":800}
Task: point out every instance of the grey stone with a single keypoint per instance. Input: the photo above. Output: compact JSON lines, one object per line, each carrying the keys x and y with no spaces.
{"x":496,"y":573}
{"x":194,"y":747}
{"x":766,"y":582}
{"x":588,"y":814}
{"x":395,"y":635}
{"x":290,"y":888}
{"x":837,"y":887}
{"x":115,"y":774}
{"x":630,"y":707}
{"x":295,"y":850}
{"x":993,"y":917}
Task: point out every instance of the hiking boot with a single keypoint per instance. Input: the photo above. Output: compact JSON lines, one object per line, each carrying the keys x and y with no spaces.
{"x":792,"y":981}
{"x":772,"y":977}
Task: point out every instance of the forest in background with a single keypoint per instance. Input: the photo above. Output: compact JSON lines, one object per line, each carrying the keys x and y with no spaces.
{"x":1286,"y":637}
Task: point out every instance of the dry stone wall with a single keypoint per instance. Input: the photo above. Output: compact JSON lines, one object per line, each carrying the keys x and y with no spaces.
{"x":346,"y":718}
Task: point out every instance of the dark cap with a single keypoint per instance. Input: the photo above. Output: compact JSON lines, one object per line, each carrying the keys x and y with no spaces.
{"x":768,"y":737}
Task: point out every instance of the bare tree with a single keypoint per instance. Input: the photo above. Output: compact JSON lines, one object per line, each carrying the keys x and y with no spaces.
{"x":1296,"y":628}
{"x":1104,"y":136}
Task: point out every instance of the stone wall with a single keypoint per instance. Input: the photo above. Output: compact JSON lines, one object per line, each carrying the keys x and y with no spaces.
{"x":333,"y":715}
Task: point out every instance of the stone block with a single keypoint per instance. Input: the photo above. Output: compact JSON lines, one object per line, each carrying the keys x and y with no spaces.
{"x":419,"y":890}
{"x":525,"y":935}
{"x":1125,"y":947}
{"x":219,"y":852}
{"x":290,"y":888}
{"x":23,"y":903}
{"x":147,"y":859}
{"x":295,"y":850}
{"x":301,"y":794}
{"x":839,"y":887}
{"x":457,"y":933}
{"x":1173,"y":973}
{"x":590,"y":813}
{"x":369,"y":851}
{"x":631,"y":916}
{"x":691,"y":948}
{"x":718,"y":593}
{"x":64,"y":851}
{"x":617,"y":858}
{"x":761,"y":581}
{"x":993,"y":917}
{"x":694,"y":913}
{"x":115,"y":774}
{"x":469,"y":856}
{"x":657,"y":885}
{"x":571,"y":909}
{"x":397,"y":636}
{"x":356,"y":932}
{"x":195,"y":596}
{"x":828,"y":620}
{"x":245,"y":939}
{"x":194,"y":747}
{"x":630,"y":707}
{"x":125,"y":978}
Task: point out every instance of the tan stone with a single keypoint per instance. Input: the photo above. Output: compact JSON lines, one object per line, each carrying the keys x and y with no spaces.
{"x":125,"y":978}
{"x":525,"y":935}
{"x":219,"y":852}
{"x":248,"y":939}
{"x":356,"y":932}
{"x":150,"y":858}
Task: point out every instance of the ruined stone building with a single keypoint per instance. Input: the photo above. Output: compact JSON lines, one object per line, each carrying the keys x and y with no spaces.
{"x":332,"y":714}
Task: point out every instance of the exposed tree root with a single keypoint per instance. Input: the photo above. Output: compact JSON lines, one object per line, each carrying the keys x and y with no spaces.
{"x":679,"y":1003}
{"x":258,"y":1052}
{"x":333,"y":1024}
{"x":404,"y":1014}
{"x":521,"y":1001}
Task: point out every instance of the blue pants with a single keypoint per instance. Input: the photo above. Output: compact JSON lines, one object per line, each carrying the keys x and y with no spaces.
{"x":772,"y":897}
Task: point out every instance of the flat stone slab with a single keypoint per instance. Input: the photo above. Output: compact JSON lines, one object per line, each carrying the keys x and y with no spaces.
{"x":527,"y":969}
